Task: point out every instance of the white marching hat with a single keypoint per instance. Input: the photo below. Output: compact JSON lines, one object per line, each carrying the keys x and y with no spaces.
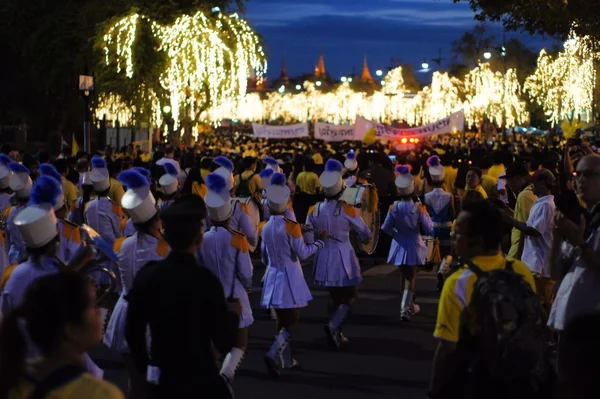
{"x":138,"y":201}
{"x":87,"y":179}
{"x":225,"y":170}
{"x":5,"y":171}
{"x":265,"y":177}
{"x":331,"y":178}
{"x":436,"y":170}
{"x":272,"y":163}
{"x":350,"y":163}
{"x":169,"y":182}
{"x":37,"y":223}
{"x":99,"y":174}
{"x":20,"y":182}
{"x":49,"y":170}
{"x":218,"y":201}
{"x":278,"y":193}
{"x":405,"y":181}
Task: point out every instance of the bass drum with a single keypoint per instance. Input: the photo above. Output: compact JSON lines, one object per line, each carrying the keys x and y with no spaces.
{"x":256,"y":215}
{"x":365,"y":199}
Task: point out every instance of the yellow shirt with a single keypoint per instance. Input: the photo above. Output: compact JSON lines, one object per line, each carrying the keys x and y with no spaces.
{"x":525,"y":201}
{"x":199,"y":189}
{"x":255,"y":183}
{"x":450,"y":178}
{"x":86,"y":386}
{"x":116,"y":191}
{"x":70,"y":192}
{"x":478,"y":189}
{"x":496,"y":170}
{"x":308,"y":182}
{"x":458,"y":289}
{"x":490,"y":185}
{"x":204,"y":173}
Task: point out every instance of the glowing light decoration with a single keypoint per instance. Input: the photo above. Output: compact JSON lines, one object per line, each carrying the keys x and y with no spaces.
{"x":209,"y":61}
{"x":564,"y":84}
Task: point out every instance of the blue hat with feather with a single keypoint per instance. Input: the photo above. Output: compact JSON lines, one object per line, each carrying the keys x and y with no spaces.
{"x":265,"y":177}
{"x":168,"y":182}
{"x":278,"y":193}
{"x":331,"y":178}
{"x":99,"y":175}
{"x":20,"y":182}
{"x":37,"y":222}
{"x":225,"y":170}
{"x":138,"y":201}
{"x":47,"y":190}
{"x":350,"y":163}
{"x":218,"y":200}
{"x":272,"y":163}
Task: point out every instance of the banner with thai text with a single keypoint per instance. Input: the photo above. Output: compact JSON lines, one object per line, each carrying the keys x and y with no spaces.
{"x":453,"y":123}
{"x":331,"y":132}
{"x":280,"y":132}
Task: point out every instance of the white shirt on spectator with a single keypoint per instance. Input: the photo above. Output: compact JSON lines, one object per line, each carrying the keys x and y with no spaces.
{"x":536,"y":251}
{"x":165,"y":160}
{"x":579,"y":292}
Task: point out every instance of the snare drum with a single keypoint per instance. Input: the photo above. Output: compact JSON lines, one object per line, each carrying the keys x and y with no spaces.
{"x":364,"y":198}
{"x":256,"y":215}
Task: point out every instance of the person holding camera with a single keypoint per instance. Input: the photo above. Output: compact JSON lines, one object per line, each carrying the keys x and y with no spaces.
{"x":185,"y":308}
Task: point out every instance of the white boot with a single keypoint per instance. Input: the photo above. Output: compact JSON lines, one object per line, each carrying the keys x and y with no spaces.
{"x":406,"y":305}
{"x":273,"y":314}
{"x":332,"y":329}
{"x":281,"y":341}
{"x":232,"y":362}
{"x":285,"y":358}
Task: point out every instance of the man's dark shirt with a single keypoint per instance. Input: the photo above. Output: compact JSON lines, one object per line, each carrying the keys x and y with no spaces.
{"x":185,"y":307}
{"x":384,"y":180}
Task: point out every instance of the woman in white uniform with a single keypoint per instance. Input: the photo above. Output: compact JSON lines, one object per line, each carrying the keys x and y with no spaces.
{"x":285,"y":288}
{"x":226,"y":253}
{"x":145,"y":245}
{"x":404,"y":223}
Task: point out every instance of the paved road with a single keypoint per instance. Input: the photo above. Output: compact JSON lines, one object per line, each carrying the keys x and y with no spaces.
{"x":384,"y":358}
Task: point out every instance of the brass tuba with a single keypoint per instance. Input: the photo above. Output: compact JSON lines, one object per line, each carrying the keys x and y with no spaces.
{"x":93,"y":252}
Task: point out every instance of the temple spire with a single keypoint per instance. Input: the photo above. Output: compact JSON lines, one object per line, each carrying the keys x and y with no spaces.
{"x":365,"y":75}
{"x":320,"y":68}
{"x":284,"y":76}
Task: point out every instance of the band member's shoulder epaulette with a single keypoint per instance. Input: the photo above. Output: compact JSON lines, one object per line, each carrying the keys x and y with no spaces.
{"x":7,"y":211}
{"x":261,"y":226}
{"x":117,"y":209}
{"x":118,"y":244}
{"x":162,"y":248}
{"x":293,"y":228}
{"x":244,"y":208}
{"x":290,"y":205}
{"x":6,"y":275}
{"x":311,"y":210}
{"x":350,"y":210}
{"x":239,"y":241}
{"x":85,"y":207}
{"x":71,"y":231}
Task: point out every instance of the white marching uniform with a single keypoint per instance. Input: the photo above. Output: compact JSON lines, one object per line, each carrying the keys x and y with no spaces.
{"x":134,"y":253}
{"x":17,"y":252}
{"x":337,"y":265}
{"x":4,"y":201}
{"x":240,"y":221}
{"x":129,"y":228}
{"x":70,"y":240}
{"x":282,"y":249}
{"x":225,"y":252}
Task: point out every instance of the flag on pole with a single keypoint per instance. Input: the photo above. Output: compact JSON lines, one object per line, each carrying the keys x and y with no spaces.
{"x":74,"y":147}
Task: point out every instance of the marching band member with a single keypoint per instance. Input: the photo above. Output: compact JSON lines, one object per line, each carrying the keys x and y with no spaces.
{"x":266,"y":176}
{"x":129,"y":226}
{"x":169,"y":186}
{"x":225,"y":252}
{"x":70,"y":237}
{"x":21,"y":184}
{"x":336,"y":266}
{"x":87,"y":189}
{"x":104,"y":215}
{"x":440,"y":206}
{"x":351,"y":166}
{"x":272,"y":164}
{"x":143,"y":246}
{"x":5,"y":173}
{"x":404,"y":221}
{"x":285,"y":288}
{"x":240,"y":220}
{"x":38,"y":227}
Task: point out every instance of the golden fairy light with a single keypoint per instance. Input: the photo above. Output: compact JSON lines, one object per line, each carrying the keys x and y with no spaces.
{"x":564,"y":84}
{"x":209,"y":61}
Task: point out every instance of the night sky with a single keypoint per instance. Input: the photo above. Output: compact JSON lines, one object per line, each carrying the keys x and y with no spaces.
{"x":347,"y":30}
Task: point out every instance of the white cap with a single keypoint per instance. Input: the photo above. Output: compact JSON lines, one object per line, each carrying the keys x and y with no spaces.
{"x":331,"y":179}
{"x":99,"y":174}
{"x":265,"y":177}
{"x":350,"y":163}
{"x":20,"y":182}
{"x":37,"y":225}
{"x":278,"y":193}
{"x":272,"y":163}
{"x":218,"y":200}
{"x":138,"y":201}
{"x":87,"y":179}
{"x":405,"y":181}
{"x":225,"y":170}
{"x":436,"y":170}
{"x":169,"y":182}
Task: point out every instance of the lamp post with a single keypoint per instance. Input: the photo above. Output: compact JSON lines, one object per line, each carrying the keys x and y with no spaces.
{"x":86,"y":87}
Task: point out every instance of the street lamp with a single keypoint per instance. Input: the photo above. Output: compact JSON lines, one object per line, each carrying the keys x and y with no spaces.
{"x":383,"y":82}
{"x":86,"y":87}
{"x":166,"y":109}
{"x":344,"y":79}
{"x":298,"y":87}
{"x":487,"y":55}
{"x":379,"y":72}
{"x":350,"y":80}
{"x":425,"y":65}
{"x":318,"y":83}
{"x":216,"y":9}
{"x":282,"y":89}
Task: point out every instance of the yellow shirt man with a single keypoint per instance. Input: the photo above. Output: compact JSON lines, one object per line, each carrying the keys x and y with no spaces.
{"x":458,"y":289}
{"x":255,"y":183}
{"x":489,"y":184}
{"x":450,"y":178}
{"x":308,"y":182}
{"x":70,"y":192}
{"x":525,"y":201}
{"x":496,"y":170}
{"x":479,"y":189}
{"x":116,"y":191}
{"x":85,"y":386}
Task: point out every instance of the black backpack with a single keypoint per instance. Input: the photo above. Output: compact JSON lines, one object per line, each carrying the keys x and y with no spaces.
{"x":243,"y":190}
{"x":509,"y":342}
